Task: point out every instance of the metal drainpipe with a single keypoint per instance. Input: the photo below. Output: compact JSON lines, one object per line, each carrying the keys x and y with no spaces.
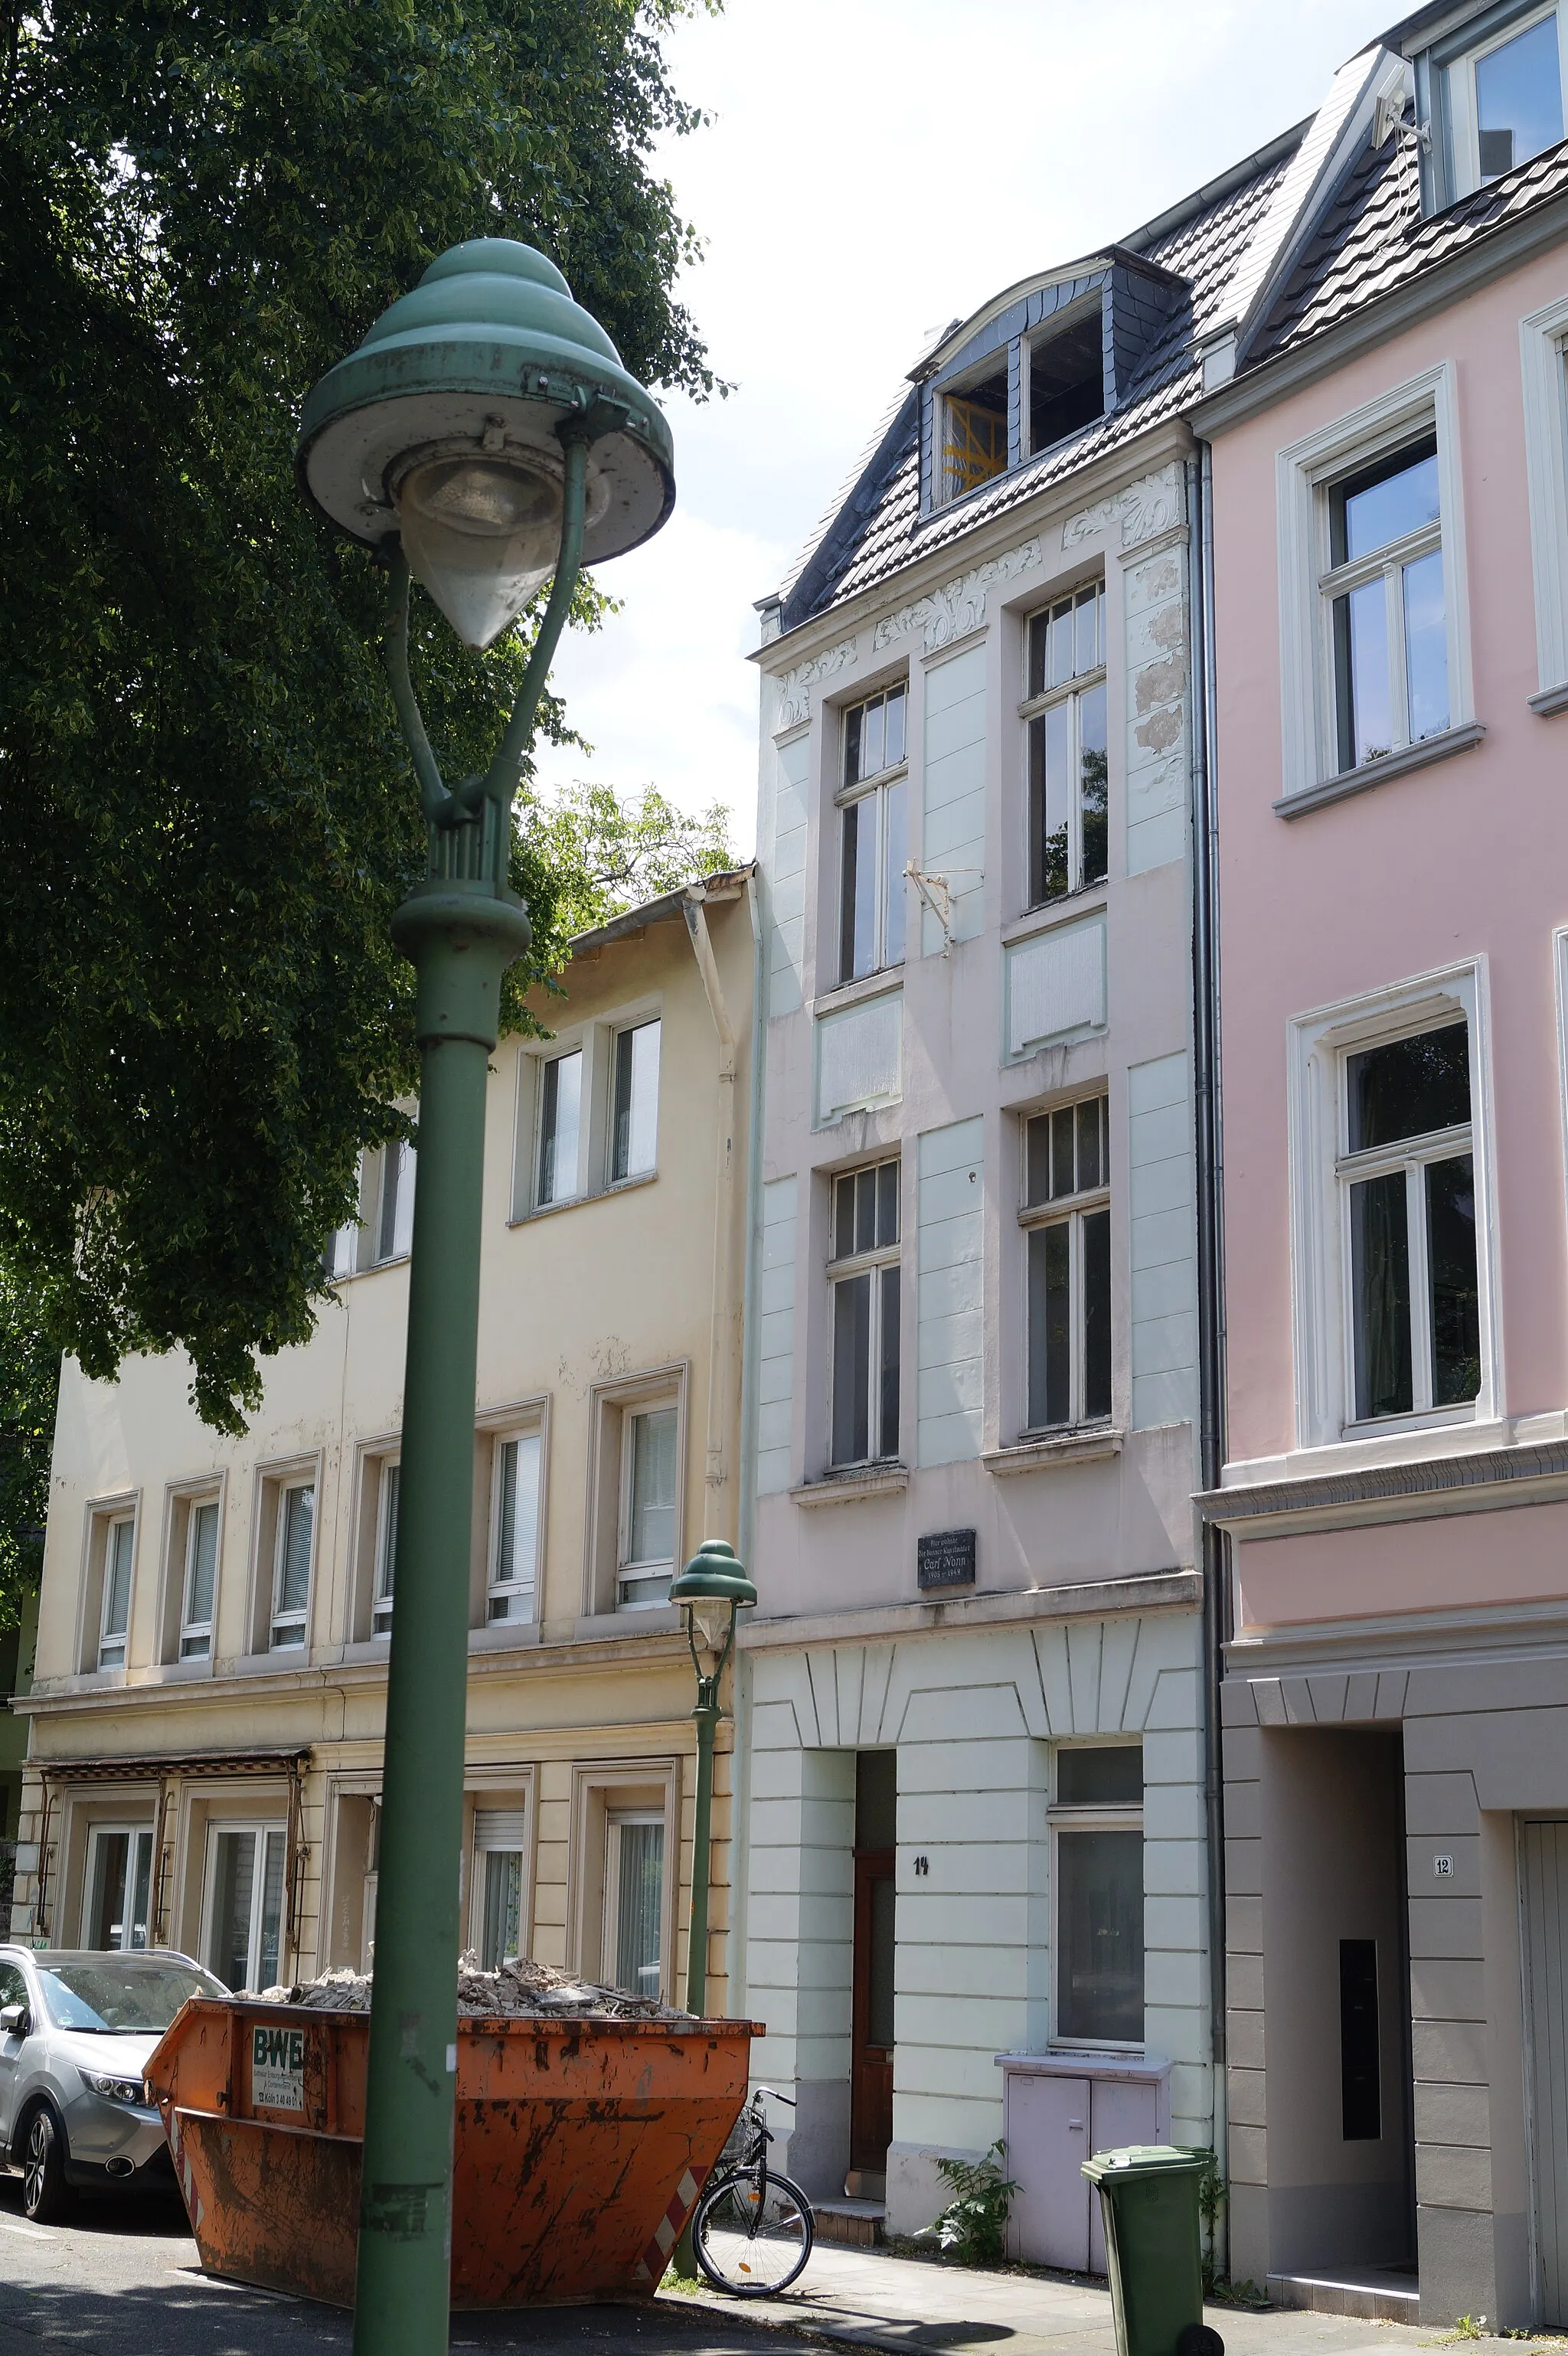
{"x":741,"y":1677}
{"x":721,"y":1451}
{"x":1210,"y":1273}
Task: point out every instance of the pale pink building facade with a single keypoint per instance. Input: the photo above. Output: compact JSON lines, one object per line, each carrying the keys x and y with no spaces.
{"x":1385,"y":432}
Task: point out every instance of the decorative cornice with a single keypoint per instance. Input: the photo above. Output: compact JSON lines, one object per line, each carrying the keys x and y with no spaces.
{"x":1154,"y":503}
{"x":1143,"y":1590}
{"x":1418,"y":1490}
{"x":958,"y":606}
{"x":795,"y":686}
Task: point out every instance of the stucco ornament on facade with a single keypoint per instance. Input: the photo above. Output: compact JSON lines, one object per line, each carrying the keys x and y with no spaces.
{"x":1144,"y":509}
{"x":795,"y":686}
{"x":951,"y":612}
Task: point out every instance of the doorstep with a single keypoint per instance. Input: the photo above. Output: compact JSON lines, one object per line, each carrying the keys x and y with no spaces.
{"x":1372,"y":2294}
{"x":859,"y":2224}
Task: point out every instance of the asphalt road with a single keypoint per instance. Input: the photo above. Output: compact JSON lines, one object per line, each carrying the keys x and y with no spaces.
{"x":123,"y":2280}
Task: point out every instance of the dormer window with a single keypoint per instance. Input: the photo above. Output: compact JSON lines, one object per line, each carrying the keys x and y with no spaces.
{"x":1495,"y":102}
{"x":1066,"y":380}
{"x":973,"y":435}
{"x":1040,"y":364}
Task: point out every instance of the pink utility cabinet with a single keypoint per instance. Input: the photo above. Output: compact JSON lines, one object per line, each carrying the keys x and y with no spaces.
{"x":1057,"y":2110}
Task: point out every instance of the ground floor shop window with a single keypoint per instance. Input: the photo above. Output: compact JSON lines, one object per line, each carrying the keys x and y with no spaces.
{"x":245,"y":1904}
{"x":1097,"y":1845}
{"x":119,"y":1887}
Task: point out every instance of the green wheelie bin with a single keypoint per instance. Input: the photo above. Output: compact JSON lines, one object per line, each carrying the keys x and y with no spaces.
{"x":1148,"y":2198}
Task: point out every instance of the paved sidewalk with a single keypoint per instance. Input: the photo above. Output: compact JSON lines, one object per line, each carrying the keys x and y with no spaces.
{"x":871,"y":2299}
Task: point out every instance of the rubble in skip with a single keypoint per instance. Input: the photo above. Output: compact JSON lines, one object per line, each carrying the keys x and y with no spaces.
{"x":518,"y":1989}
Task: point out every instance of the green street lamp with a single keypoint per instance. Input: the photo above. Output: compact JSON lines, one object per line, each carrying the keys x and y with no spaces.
{"x":710,"y":1591}
{"x":485,"y":435}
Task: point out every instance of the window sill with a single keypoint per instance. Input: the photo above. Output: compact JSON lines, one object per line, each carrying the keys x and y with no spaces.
{"x":576,"y":1202}
{"x":881,"y":984}
{"x":637,"y":1619}
{"x":504,"y":1636}
{"x":174,"y":1673}
{"x":860,"y":1481}
{"x":1090,"y":1445}
{"x":1378,"y":773}
{"x":1550,"y":700}
{"x":1087,"y":901}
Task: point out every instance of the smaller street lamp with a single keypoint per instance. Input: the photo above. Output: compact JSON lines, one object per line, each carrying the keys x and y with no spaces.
{"x":710,"y":1591}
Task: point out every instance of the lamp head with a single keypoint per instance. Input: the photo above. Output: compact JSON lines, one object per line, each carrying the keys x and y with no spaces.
{"x":444,"y":427}
{"x":712,"y":1589}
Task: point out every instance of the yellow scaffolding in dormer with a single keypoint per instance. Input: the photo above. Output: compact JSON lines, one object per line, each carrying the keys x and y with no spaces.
{"x":974,"y":446}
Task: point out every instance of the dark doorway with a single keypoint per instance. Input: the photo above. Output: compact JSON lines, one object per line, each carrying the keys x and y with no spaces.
{"x":871,"y":2058}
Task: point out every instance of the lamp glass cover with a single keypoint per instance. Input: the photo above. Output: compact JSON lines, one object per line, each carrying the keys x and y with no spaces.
{"x":709,"y":1621}
{"x":480,"y":534}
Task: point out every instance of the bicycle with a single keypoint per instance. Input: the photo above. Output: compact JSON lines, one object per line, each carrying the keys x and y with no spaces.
{"x":752,"y":2229}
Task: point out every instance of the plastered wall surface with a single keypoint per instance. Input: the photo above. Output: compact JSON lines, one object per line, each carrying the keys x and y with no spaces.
{"x":590,"y":1295}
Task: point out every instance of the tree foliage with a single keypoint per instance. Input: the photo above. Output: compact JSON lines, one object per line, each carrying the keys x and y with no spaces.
{"x":28,"y":1371}
{"x":612,"y":852}
{"x":206,"y":810}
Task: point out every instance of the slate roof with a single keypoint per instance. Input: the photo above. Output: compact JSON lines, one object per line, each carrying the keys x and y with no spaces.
{"x":1372,"y":239}
{"x":881,"y":504}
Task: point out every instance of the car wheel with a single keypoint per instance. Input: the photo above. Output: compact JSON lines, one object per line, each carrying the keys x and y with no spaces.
{"x":46,"y":2195}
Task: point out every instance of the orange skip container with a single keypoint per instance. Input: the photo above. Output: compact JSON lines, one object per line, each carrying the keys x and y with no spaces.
{"x":580,"y":2145}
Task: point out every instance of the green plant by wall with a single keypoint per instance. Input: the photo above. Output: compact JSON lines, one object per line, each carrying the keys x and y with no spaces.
{"x":971,"y":2229}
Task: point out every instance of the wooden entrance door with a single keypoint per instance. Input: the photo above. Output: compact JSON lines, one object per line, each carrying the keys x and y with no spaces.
{"x":871,"y":2059}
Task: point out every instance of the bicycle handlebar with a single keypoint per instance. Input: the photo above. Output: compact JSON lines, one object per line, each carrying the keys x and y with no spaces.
{"x":774,"y":2091}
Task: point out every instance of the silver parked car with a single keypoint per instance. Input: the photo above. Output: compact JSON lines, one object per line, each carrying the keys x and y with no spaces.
{"x":76,"y":2029}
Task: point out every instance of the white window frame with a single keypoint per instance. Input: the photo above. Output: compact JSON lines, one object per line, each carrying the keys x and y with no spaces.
{"x":616,"y":1821}
{"x":134,"y":1835}
{"x":277,"y":1617}
{"x":108,"y":1639}
{"x":1320,"y":1274}
{"x":263,"y":1827}
{"x":645,"y":1573}
{"x":1464,"y":135}
{"x":1068,"y":1211}
{"x":872,"y":790}
{"x":842,"y":1271}
{"x":507,"y":1590}
{"x":1304,"y":473}
{"x":628,"y":1030}
{"x":1035,"y":707}
{"x":1090,"y":1816}
{"x":394,"y":1165}
{"x":389,"y":1472}
{"x":488,"y":1840}
{"x":1543,"y":364}
{"x":574,"y":1192}
{"x":190,"y":1631}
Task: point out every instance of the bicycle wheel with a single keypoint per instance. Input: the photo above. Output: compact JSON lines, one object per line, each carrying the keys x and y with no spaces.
{"x":748,"y":2242}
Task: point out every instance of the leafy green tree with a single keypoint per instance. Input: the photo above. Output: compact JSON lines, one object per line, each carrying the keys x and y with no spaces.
{"x":206,"y":810}
{"x":29,"y":1383}
{"x":610,"y":852}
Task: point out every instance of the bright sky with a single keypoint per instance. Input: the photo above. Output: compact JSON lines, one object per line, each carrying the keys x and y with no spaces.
{"x":877,"y":167}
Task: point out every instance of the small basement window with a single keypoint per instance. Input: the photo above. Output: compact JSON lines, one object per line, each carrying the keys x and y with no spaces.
{"x":973,"y":435}
{"x":1066,"y":380}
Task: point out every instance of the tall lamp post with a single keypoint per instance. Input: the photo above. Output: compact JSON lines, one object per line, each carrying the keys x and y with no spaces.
{"x":710,"y":1591}
{"x":485,"y":435}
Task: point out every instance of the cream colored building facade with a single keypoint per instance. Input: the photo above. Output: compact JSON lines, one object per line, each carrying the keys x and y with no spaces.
{"x":207,"y":1708}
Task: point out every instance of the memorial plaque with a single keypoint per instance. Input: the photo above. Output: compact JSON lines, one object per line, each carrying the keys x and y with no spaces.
{"x":945,"y":1559}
